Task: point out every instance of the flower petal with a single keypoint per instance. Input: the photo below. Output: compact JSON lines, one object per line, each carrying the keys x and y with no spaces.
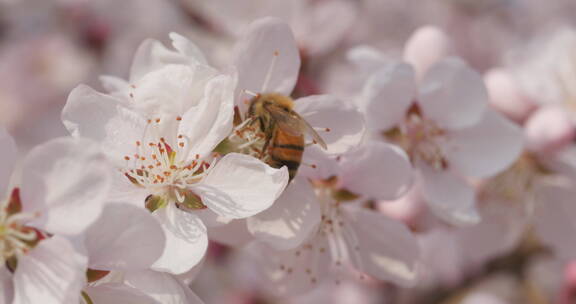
{"x":187,"y":48}
{"x":52,"y":273}
{"x":486,"y":148}
{"x":555,"y":226}
{"x":453,"y":94}
{"x":66,"y":181}
{"x":325,"y":111}
{"x":318,"y":32}
{"x":229,"y":188}
{"x":291,"y":220}
{"x":366,"y":58}
{"x":501,"y":230}
{"x":387,"y":95}
{"x":6,"y":286}
{"x":377,"y":170}
{"x":186,"y":240}
{"x":152,"y":55}
{"x":9,"y":154}
{"x":448,"y":195}
{"x":103,"y":118}
{"x":114,"y":85}
{"x":207,"y":124}
{"x":124,"y":238}
{"x":123,"y":190}
{"x":117,"y":293}
{"x":235,"y":233}
{"x":171,"y":90}
{"x":321,"y":165}
{"x":164,"y":288}
{"x":387,"y":249}
{"x":291,"y":272}
{"x":267,"y":58}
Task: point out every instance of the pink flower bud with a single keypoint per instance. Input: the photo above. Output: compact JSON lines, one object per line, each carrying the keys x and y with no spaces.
{"x":425,"y":47}
{"x":506,"y":97}
{"x":548,"y":130}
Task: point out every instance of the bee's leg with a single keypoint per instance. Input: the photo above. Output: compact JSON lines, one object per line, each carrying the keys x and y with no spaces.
{"x":265,"y":147}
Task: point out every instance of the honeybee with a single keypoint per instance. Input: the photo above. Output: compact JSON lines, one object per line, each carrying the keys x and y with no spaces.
{"x":283,"y":130}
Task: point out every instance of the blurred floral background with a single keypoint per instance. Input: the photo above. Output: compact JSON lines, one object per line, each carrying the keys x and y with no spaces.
{"x":525,"y":50}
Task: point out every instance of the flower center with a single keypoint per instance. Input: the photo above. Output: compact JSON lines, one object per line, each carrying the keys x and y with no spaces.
{"x":165,"y":167}
{"x":15,"y":238}
{"x":421,"y":139}
{"x":516,"y":184}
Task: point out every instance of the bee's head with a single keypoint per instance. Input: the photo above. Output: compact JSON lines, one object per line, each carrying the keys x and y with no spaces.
{"x":259,"y":103}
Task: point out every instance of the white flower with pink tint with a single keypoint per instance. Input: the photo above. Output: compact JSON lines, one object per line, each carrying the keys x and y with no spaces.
{"x":160,"y":129}
{"x":444,"y":125}
{"x":62,"y":191}
{"x":267,"y":61}
{"x":328,"y":232}
{"x":119,"y":256}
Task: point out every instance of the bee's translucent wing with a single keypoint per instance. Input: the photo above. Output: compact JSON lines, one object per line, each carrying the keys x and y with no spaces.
{"x":292,"y":123}
{"x":285,"y":120}
{"x":310,"y":130}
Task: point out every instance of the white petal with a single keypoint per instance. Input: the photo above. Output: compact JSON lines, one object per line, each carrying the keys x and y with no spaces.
{"x":113,"y":84}
{"x":66,"y":181}
{"x":501,"y":230}
{"x":124,"y":238}
{"x":153,"y":55}
{"x":186,"y":240}
{"x":377,"y":170}
{"x":366,"y":58}
{"x":164,"y":288}
{"x":345,"y":123}
{"x":9,"y":155}
{"x":123,"y":190}
{"x":207,"y":124}
{"x":426,"y":46}
{"x":387,"y":249}
{"x":235,"y":233}
{"x":486,"y":148}
{"x":453,"y":95}
{"x":103,"y":118}
{"x":292,"y":218}
{"x":116,"y":293}
{"x":52,"y":273}
{"x":188,"y":277}
{"x":319,"y":33}
{"x":187,"y":48}
{"x":171,"y":90}
{"x":555,"y":212}
{"x":448,"y":195}
{"x":387,"y":95}
{"x":291,"y":272}
{"x":6,"y":286}
{"x":267,"y":48}
{"x":320,"y":164}
{"x":240,"y":186}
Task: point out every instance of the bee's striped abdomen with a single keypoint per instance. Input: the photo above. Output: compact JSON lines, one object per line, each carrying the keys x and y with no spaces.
{"x":286,"y":150}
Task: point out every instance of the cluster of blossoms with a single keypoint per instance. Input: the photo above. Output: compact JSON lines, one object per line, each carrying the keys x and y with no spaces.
{"x":313,"y":192}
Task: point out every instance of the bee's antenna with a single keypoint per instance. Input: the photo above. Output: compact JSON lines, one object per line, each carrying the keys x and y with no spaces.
{"x":270,"y":70}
